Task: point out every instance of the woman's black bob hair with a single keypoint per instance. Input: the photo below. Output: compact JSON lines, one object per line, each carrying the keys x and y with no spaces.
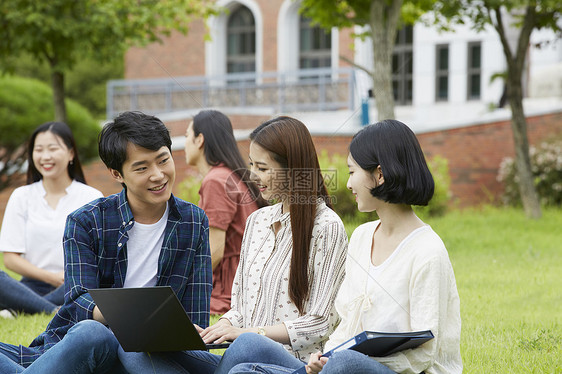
{"x":394,"y":146}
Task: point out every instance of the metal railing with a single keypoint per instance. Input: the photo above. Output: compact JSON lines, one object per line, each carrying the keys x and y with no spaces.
{"x":303,"y":90}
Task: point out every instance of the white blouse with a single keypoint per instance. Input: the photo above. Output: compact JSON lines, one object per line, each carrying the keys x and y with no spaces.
{"x":414,"y":290}
{"x":260,"y":294}
{"x":31,"y":227}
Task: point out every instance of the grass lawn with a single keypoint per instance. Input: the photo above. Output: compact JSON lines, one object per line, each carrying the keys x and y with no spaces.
{"x":509,"y":273}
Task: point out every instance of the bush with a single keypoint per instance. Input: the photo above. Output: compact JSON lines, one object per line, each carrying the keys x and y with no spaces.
{"x":24,"y":105}
{"x":335,"y":172}
{"x":546,"y":166}
{"x":439,"y":167}
{"x":188,"y":189}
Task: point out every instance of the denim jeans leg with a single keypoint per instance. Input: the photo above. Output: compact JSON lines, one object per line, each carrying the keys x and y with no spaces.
{"x":349,"y":361}
{"x":260,"y":369}
{"x":184,"y":362}
{"x":88,"y":347}
{"x":254,"y":348}
{"x":197,"y":362}
{"x":40,"y":287}
{"x":56,"y":296}
{"x":16,"y":295}
{"x":143,"y":362}
{"x":9,"y":358}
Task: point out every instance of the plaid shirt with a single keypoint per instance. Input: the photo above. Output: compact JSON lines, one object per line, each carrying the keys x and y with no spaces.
{"x":95,"y":248}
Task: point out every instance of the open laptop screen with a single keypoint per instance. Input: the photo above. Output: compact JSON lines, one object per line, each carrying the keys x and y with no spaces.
{"x":149,"y":319}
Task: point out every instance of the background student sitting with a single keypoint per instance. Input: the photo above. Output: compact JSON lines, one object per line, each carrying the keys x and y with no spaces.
{"x":227,"y":196}
{"x":33,"y":224}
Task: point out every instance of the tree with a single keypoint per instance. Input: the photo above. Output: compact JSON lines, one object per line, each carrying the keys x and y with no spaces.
{"x":25,"y":104}
{"x":62,"y":31}
{"x":521,"y":17}
{"x":86,"y":83}
{"x":383,"y":18}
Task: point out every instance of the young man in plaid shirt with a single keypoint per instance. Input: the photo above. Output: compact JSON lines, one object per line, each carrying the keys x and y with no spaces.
{"x":140,"y":237}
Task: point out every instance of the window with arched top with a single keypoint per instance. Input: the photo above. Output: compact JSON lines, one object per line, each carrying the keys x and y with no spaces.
{"x":315,"y":46}
{"x":241,"y":41}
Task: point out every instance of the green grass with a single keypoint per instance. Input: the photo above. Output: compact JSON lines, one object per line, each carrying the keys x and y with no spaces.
{"x":509,"y":273}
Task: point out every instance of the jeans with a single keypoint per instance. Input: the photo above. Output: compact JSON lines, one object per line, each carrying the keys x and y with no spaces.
{"x":257,"y":354}
{"x":53,"y":294}
{"x":253,"y":353}
{"x":88,"y":347}
{"x":349,"y":361}
{"x":16,"y":295}
{"x":184,"y":362}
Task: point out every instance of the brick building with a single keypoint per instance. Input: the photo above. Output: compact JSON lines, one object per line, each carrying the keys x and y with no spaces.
{"x":263,"y":59}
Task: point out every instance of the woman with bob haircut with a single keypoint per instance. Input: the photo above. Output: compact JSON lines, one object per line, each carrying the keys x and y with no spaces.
{"x":35,"y":217}
{"x":398,"y":275}
{"x":291,"y":261}
{"x":227,"y":195}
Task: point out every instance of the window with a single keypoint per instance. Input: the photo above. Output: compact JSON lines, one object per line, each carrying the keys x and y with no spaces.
{"x":241,"y":41}
{"x":402,"y":66}
{"x":442,"y":73}
{"x":474,"y":70}
{"x":315,"y":46}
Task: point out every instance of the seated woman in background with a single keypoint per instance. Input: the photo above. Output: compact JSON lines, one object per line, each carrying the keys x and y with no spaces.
{"x":227,"y":196}
{"x":35,"y":217}
{"x":398,"y":274}
{"x":291,"y":262}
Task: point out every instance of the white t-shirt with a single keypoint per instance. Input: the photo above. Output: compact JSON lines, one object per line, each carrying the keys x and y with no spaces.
{"x":31,"y":227}
{"x":143,"y":251}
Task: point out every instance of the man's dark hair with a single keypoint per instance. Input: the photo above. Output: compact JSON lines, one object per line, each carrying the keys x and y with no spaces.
{"x":394,"y":147}
{"x":138,"y":128}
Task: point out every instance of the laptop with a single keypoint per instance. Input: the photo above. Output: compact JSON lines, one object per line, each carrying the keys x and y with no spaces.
{"x":149,"y":319}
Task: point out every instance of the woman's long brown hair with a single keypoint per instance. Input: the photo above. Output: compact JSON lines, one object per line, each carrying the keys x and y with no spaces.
{"x":289,"y":142}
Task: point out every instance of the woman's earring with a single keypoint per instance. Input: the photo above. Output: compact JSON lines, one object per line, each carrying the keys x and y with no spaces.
{"x":71,"y":162}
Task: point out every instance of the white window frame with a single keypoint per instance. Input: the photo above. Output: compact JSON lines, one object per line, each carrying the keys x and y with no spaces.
{"x":215,"y":49}
{"x":288,"y":27}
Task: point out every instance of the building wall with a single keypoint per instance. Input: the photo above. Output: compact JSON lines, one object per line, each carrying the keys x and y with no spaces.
{"x":473,"y":152}
{"x":278,"y":51}
{"x":190,"y":55}
{"x":178,"y":55}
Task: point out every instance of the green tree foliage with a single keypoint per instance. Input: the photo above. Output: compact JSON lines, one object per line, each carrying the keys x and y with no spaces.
{"x":382,"y":18}
{"x":24,"y":105}
{"x":60,"y":32}
{"x":508,"y":17}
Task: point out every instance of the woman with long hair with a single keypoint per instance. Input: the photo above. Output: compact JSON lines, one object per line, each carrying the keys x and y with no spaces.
{"x":398,"y":275}
{"x":227,"y":195}
{"x":291,"y":261}
{"x":34,"y":220}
